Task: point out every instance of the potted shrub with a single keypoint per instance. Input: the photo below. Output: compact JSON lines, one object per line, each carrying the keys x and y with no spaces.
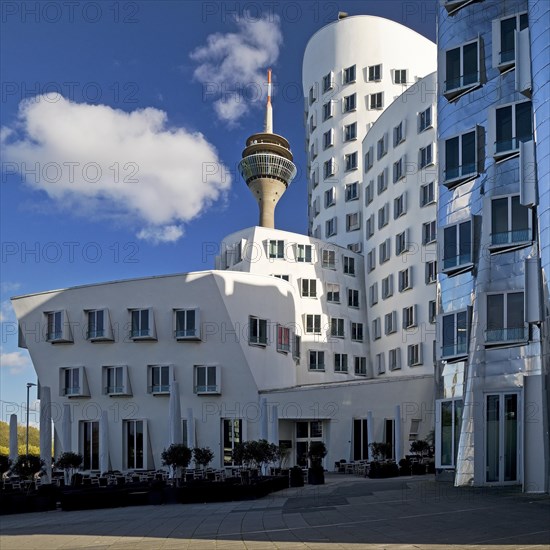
{"x":296,"y":477}
{"x":177,"y":456}
{"x":423,"y":450}
{"x":203,"y":456}
{"x":316,"y":452}
{"x":69,"y":462}
{"x":26,"y":466}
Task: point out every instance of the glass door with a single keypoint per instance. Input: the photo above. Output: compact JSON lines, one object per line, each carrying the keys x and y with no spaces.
{"x":502,"y":438}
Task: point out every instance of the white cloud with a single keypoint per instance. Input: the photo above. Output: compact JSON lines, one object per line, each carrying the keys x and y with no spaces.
{"x":155,"y":235}
{"x":7,"y":287}
{"x":7,"y":315}
{"x":95,"y":160}
{"x":232,"y":66}
{"x":16,"y":361}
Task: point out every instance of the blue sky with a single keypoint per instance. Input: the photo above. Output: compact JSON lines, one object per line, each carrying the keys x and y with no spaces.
{"x":142,"y":115}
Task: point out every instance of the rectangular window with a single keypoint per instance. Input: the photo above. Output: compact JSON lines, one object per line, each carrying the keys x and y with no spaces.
{"x":72,"y":381}
{"x":369,"y":193}
{"x":401,"y":243}
{"x":296,"y":347}
{"x":447,"y":438}
{"x":375,"y":73}
{"x":427,"y":195}
{"x":352,"y":191}
{"x":142,"y":324}
{"x":337,"y":327}
{"x":98,"y":322}
{"x":312,"y":121}
{"x":341,"y":362}
{"x":134,"y":444}
{"x":360,"y":366}
{"x":384,"y":215}
{"x":385,"y":251}
{"x":511,"y":223}
{"x":405,"y":279}
{"x":360,"y":439}
{"x":426,"y":155}
{"x":455,"y":334}
{"x":369,"y":159}
{"x":316,"y":360}
{"x":390,"y":322}
{"x":276,"y":249}
{"x":330,"y":227}
{"x":371,"y":260}
{"x":399,"y":169}
{"x":428,"y":232}
{"x":414,"y":355}
{"x":399,"y":206}
{"x":376,"y":329}
{"x":257,"y":331}
{"x":327,"y":110}
{"x":460,"y":158}
{"x":89,"y":444}
{"x":329,"y":168}
{"x":514,"y":125}
{"x":461,"y":69}
{"x":207,"y":379}
{"x":309,"y":288}
{"x":349,"y":74}
{"x":329,"y":259}
{"x":431,"y":272}
{"x":232,"y":429}
{"x":505,"y":318}
{"x":394,"y":359}
{"x":314,"y":178}
{"x":312,"y":94}
{"x":115,"y":380}
{"x":349,"y":265}
{"x":432,"y":311}
{"x":399,"y":133}
{"x":159,"y":379}
{"x":387,"y":287}
{"x":313,"y":151}
{"x":376,"y":101}
{"x":457,"y":247}
{"x":313,"y":324}
{"x":353,"y":298}
{"x":504,"y":39}
{"x":187,"y":324}
{"x":330,"y":197}
{"x":58,"y":327}
{"x":357,"y":332}
{"x":328,"y":82}
{"x":350,"y":103}
{"x":304,"y":253}
{"x":373,"y":294}
{"x":382,"y":182}
{"x":350,"y":162}
{"x":409,"y":317}
{"x":382,"y":146}
{"x":370,"y":224}
{"x":328,"y":139}
{"x":425,"y":119}
{"x":333,"y":293}
{"x":400,"y":76}
{"x":380,"y":363}
{"x":350,"y":132}
{"x":282,"y":277}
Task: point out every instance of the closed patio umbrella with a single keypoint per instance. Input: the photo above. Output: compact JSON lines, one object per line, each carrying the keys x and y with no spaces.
{"x":398,"y":436}
{"x":46,"y":432}
{"x":370,"y":432}
{"x":263,"y":418}
{"x":66,"y":428}
{"x":104,"y":465}
{"x":175,"y":431}
{"x":13,"y":438}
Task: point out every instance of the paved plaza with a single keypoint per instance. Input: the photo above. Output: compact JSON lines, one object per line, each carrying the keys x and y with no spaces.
{"x":347,"y":512}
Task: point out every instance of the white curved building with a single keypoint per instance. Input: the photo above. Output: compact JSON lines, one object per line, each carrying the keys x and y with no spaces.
{"x":352,"y":70}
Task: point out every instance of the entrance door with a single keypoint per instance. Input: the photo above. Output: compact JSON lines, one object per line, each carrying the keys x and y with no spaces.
{"x":502,"y":438}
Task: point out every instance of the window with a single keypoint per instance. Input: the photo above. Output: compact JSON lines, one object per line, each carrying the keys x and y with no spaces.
{"x":394,"y":359}
{"x":431,"y":272}
{"x":382,"y":146}
{"x":380,"y":363}
{"x":390,"y":322}
{"x":352,"y":191}
{"x":276,"y":249}
{"x":328,"y":139}
{"x":369,"y":159}
{"x":400,"y":206}
{"x":505,"y":318}
{"x":376,"y":329}
{"x":455,"y":328}
{"x":360,"y":366}
{"x":333,"y":293}
{"x":304,"y":253}
{"x":297,"y":340}
{"x":330,"y":227}
{"x":349,"y":265}
{"x":341,"y":362}
{"x":405,"y":279}
{"x":306,"y":432}
{"x":452,"y":6}
{"x":99,"y":325}
{"x":385,"y":251}
{"x":282,"y":277}
{"x":457,"y":247}
{"x":187,"y":324}
{"x":159,"y":379}
{"x":312,"y":94}
{"x":316,"y":360}
{"x":375,"y":73}
{"x":349,"y":74}
{"x":373,"y":294}
{"x":414,"y":355}
{"x":309,"y":288}
{"x":425,"y":119}
{"x":73,"y":382}
{"x":428,"y":232}
{"x":376,"y":101}
{"x":313,"y":151}
{"x":313,"y":324}
{"x":387,"y":287}
{"x":382,"y":181}
{"x":369,"y":193}
{"x":400,"y":76}
{"x":314,"y":178}
{"x":327,"y":110}
{"x":511,"y":223}
{"x":432,"y":311}
{"x":513,"y":125}
{"x":449,"y":422}
{"x":460,"y":159}
{"x":330,"y":197}
{"x":399,"y":133}
{"x":232,"y":429}
{"x":207,"y":379}
{"x":328,"y":82}
{"x":426,"y":155}
{"x":350,"y":131}
{"x":135,"y":440}
{"x":360,"y":439}
{"x":329,"y":168}
{"x":115,"y":380}
{"x":504,"y":39}
{"x":353,"y":297}
{"x":89,"y":443}
{"x":384,"y":215}
{"x":337,"y":327}
{"x":312,"y":121}
{"x":399,"y":169}
{"x":350,"y":161}
{"x":427,"y":194}
{"x":461,"y":69}
{"x":329,"y":259}
{"x":257,"y":331}
{"x":401,"y":243}
{"x":409,"y":317}
{"x":350,"y":103}
{"x":58,"y":327}
{"x":370,"y":226}
{"x":357,"y":332}
{"x":371,"y":260}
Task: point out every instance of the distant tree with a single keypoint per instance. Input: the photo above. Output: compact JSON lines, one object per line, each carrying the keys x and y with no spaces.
{"x":27,"y":466}
{"x":203,"y":456}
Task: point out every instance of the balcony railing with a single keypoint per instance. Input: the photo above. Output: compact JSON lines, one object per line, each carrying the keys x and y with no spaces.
{"x":55,"y":335}
{"x":455,"y":349}
{"x":115,"y":389}
{"x":461,"y":171}
{"x":452,"y":262}
{"x":72,"y":390}
{"x":159,"y":388}
{"x":100,"y":333}
{"x":510,"y":145}
{"x":187,"y":333}
{"x":506,"y":335}
{"x":510,"y":237}
{"x":207,"y":388}
{"x":141,"y":333}
{"x":463,"y":81}
{"x":259,"y":340}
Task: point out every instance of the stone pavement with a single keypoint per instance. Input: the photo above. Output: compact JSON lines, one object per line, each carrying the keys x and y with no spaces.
{"x":346,"y":513}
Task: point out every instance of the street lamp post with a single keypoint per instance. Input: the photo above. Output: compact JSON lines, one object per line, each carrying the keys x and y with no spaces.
{"x":29,"y":386}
